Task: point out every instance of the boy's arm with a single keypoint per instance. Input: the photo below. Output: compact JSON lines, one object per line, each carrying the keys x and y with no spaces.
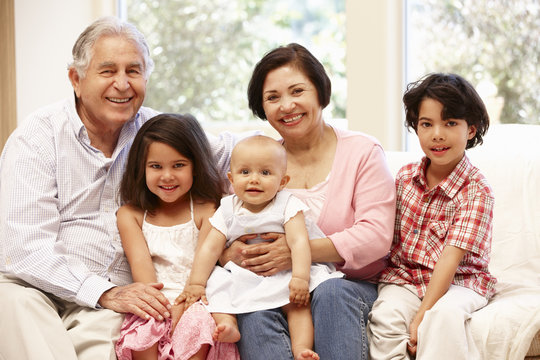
{"x":297,"y":240}
{"x":440,"y":281}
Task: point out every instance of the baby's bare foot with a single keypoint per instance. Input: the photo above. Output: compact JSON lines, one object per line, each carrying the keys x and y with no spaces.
{"x":227,"y":333}
{"x":307,"y":354}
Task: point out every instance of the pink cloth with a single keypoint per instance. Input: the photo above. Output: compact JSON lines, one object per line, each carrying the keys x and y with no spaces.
{"x":194,"y":330}
{"x":358,"y":215}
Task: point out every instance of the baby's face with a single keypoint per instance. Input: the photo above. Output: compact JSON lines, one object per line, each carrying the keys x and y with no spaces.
{"x":257,"y":174}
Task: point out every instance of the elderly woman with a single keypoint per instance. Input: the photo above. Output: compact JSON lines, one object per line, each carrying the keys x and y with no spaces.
{"x":343,"y":177}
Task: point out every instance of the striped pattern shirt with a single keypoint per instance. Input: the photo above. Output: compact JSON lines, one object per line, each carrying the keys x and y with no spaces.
{"x":58,"y":200}
{"x":457,"y":212}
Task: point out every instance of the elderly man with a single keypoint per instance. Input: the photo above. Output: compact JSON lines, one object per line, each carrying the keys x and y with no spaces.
{"x":64,"y":280}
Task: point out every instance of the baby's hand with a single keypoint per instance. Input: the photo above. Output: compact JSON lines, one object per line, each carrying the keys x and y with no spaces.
{"x":299,"y":291}
{"x":192,"y":294}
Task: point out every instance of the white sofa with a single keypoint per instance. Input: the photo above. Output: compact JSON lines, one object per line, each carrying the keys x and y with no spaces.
{"x":509,"y":326}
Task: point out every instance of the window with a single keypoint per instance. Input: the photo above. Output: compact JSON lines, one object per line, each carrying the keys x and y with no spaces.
{"x":492,"y":43}
{"x":205,"y":51}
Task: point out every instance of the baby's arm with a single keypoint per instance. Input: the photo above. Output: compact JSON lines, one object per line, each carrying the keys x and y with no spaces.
{"x":206,"y":256}
{"x":298,"y":242}
{"x":442,"y":277}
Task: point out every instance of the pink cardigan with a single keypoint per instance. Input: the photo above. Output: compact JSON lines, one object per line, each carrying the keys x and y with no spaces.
{"x":358,"y":215}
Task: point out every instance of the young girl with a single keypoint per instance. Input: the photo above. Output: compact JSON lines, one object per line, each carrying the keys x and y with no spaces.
{"x":258,"y":174}
{"x":170,"y":188}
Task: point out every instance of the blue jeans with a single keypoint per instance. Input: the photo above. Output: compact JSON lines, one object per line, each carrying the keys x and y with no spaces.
{"x":340,"y":313}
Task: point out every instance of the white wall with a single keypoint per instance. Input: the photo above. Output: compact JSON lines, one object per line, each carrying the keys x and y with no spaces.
{"x":45,"y":32}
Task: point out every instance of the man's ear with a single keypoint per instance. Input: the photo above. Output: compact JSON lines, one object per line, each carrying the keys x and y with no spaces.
{"x":284,"y":181}
{"x":75,"y":80}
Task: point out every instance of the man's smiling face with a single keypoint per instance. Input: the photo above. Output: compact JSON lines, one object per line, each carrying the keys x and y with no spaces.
{"x":114,"y":87}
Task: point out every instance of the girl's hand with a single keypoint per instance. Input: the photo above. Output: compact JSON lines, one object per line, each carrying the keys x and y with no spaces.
{"x":268,"y":258}
{"x":176,"y":313}
{"x":299,"y":291}
{"x":192,"y":294}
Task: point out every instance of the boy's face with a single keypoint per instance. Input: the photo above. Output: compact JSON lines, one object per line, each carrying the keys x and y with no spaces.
{"x":443,"y":141}
{"x":256,"y":175}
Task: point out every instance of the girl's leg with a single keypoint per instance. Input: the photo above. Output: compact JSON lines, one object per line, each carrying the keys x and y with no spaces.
{"x":226,"y":328}
{"x":149,"y":354}
{"x":265,"y":335}
{"x":202,"y":353}
{"x":301,"y":330}
{"x":340,"y":309}
{"x":388,"y":328}
{"x":450,"y":313}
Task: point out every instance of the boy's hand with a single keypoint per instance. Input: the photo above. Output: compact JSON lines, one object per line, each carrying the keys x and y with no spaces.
{"x":299,"y":291}
{"x":192,"y":294}
{"x":413,"y":333}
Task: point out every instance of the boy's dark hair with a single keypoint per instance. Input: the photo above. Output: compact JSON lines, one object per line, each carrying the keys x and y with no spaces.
{"x":297,"y":56}
{"x":185,"y":135}
{"x":458,"y":97}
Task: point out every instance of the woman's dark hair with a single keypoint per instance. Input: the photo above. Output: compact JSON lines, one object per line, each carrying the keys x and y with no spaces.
{"x":297,"y":56}
{"x":185,"y":135}
{"x":458,"y":97}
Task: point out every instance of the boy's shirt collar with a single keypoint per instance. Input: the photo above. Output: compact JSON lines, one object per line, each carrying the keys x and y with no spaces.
{"x":453,"y":182}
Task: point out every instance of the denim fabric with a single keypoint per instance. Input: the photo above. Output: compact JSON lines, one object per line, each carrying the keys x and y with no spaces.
{"x":340,"y":313}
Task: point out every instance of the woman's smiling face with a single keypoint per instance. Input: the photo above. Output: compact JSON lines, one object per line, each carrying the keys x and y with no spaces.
{"x":290,"y":101}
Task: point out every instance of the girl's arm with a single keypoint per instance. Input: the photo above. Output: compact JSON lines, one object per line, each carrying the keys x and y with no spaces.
{"x":440,"y":281}
{"x":298,"y":242}
{"x":129,"y":221}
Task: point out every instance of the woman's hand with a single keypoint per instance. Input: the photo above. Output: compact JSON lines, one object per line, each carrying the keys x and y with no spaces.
{"x":267,"y":258}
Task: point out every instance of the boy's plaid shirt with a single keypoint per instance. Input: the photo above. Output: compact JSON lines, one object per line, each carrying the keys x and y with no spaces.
{"x":457,"y":212}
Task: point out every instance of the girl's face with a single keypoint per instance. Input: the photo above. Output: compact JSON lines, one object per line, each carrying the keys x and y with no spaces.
{"x":169,"y":174}
{"x":442,"y":140}
{"x":290,"y":102}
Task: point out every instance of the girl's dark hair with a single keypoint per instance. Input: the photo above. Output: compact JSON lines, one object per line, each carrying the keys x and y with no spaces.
{"x":185,"y":135}
{"x":297,"y":56}
{"x":458,"y":97}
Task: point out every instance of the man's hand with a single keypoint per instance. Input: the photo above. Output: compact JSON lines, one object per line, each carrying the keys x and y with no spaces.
{"x":268,"y":258}
{"x":299,"y":291}
{"x":143,"y":300}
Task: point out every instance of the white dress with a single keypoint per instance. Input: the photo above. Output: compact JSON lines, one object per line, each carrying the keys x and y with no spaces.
{"x":172,"y":249}
{"x":235,"y":290}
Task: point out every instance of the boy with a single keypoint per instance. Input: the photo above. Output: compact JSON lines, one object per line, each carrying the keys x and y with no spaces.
{"x":438,"y":265}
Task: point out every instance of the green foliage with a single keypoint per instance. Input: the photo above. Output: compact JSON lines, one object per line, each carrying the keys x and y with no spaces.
{"x":205,"y":51}
{"x":495,"y":41}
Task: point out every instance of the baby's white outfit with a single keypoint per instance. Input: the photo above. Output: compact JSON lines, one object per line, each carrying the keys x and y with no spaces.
{"x":235,"y":290}
{"x":172,"y":249}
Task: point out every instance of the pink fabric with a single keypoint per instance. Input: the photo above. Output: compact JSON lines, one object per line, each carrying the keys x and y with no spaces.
{"x":194,"y":330}
{"x":358,"y":215}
